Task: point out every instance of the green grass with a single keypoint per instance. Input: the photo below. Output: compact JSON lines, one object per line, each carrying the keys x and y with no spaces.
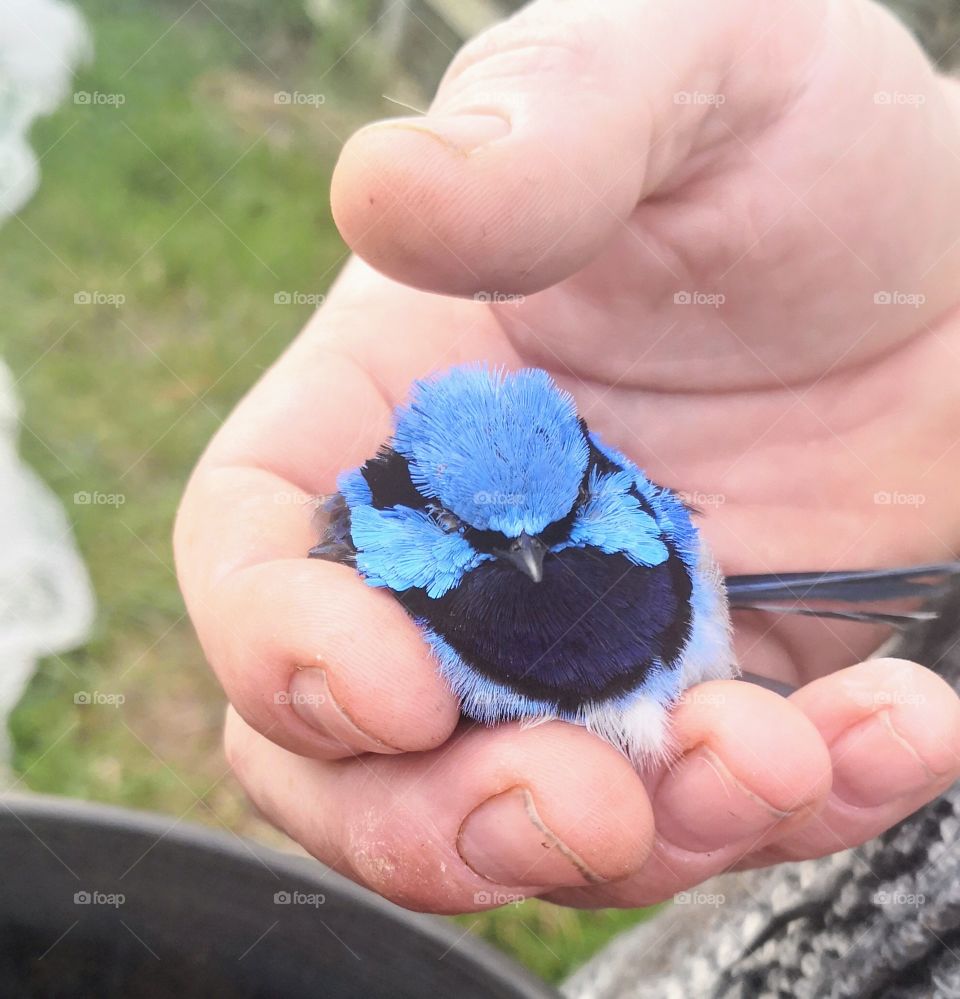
{"x":196,"y":199}
{"x":550,"y":940}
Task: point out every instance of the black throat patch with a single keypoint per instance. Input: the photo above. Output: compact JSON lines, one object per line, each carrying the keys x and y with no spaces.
{"x":590,"y":630}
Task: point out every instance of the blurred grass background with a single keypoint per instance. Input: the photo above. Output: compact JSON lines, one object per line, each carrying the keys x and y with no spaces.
{"x":197,"y":199}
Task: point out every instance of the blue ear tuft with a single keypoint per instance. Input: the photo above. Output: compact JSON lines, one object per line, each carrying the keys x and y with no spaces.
{"x":613,"y":521}
{"x":403,"y":549}
{"x":504,"y":452}
{"x":354,"y":488}
{"x":673,"y":518}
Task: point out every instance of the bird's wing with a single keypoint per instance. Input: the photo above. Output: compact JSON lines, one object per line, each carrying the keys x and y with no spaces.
{"x":844,"y":595}
{"x":332,"y":520}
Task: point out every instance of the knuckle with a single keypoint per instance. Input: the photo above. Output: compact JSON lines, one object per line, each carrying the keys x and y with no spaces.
{"x":396,"y":860}
{"x":519,"y":47}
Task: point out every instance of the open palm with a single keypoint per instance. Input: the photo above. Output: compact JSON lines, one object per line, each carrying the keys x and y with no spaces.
{"x":724,"y":228}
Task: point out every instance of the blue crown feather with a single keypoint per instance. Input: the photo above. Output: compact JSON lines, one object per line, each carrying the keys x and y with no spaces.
{"x":504,"y":453}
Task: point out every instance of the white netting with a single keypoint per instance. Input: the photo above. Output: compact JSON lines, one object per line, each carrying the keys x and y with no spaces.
{"x":46,"y":604}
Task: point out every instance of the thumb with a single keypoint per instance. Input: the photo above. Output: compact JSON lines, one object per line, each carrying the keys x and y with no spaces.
{"x":550,"y":127}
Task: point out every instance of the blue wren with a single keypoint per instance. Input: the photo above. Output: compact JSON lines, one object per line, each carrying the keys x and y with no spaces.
{"x":550,"y":577}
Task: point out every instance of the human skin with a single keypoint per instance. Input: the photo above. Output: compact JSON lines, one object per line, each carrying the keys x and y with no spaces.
{"x":578,"y":170}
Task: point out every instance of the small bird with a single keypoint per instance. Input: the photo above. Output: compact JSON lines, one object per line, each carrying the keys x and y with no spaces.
{"x":551,"y":578}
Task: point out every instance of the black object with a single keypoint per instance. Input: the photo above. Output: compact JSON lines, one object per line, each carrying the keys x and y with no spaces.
{"x":98,"y":901}
{"x":847,"y":590}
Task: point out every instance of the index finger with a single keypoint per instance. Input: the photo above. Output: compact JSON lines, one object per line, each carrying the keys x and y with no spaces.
{"x":309,"y":655}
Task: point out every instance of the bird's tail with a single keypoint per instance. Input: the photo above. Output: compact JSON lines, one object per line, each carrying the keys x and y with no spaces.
{"x":847,"y":595}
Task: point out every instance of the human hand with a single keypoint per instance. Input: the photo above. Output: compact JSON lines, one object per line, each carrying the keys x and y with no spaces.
{"x":597,"y":179}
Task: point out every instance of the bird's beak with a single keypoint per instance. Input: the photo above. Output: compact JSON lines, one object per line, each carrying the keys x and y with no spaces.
{"x":526,"y":554}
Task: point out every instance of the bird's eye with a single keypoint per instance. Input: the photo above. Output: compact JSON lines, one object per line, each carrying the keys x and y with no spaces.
{"x":447,"y":522}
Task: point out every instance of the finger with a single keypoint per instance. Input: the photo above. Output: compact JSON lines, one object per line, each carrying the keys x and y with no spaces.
{"x":311,"y":656}
{"x":291,"y":639}
{"x":753,"y":768}
{"x":549,"y":128}
{"x":496,"y":815}
{"x":893,"y":730}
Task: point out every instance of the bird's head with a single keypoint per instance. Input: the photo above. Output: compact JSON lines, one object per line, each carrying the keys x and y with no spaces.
{"x":486,"y":466}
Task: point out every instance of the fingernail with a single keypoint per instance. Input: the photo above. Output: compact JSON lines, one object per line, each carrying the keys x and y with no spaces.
{"x":463,"y":133}
{"x":700,"y":806}
{"x":505,"y":841}
{"x":309,"y":696}
{"x":903,"y":771}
